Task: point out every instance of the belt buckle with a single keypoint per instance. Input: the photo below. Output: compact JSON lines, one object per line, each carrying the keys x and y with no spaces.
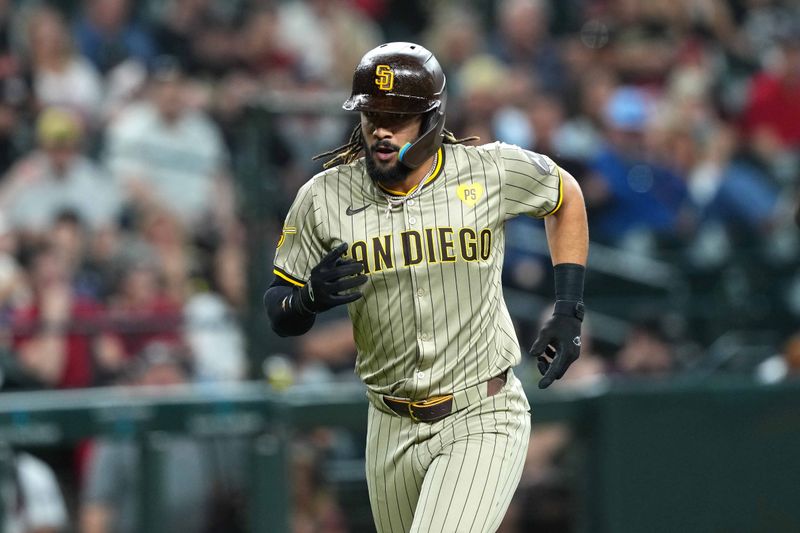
{"x":410,"y":406}
{"x":427,"y":403}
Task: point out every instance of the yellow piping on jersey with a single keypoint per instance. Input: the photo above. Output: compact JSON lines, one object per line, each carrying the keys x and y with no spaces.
{"x":433,"y":176}
{"x":428,"y":402}
{"x":560,"y":192}
{"x":287,"y":277}
{"x":432,"y":401}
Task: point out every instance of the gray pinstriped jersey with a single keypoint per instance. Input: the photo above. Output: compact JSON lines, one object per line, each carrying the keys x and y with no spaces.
{"x":432,"y":320}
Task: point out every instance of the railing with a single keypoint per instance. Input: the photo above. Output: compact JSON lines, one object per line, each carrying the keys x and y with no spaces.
{"x":672,"y":456}
{"x":202,"y":411}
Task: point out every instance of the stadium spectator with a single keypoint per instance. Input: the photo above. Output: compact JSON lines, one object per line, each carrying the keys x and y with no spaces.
{"x":60,"y":76}
{"x":30,"y":497}
{"x":215,"y":338}
{"x":207,"y":36}
{"x":646,"y":352}
{"x":522,"y":40}
{"x":108,"y":35}
{"x":327,"y":37}
{"x":70,"y":239}
{"x":481,"y":95}
{"x":731,"y":191}
{"x":547,"y":117}
{"x":161,"y":238}
{"x":264,"y":54}
{"x":54,"y":333}
{"x":169,"y":156}
{"x":104,"y":250}
{"x":631,"y":195}
{"x":235,"y":95}
{"x":582,"y":134}
{"x":229,"y":275}
{"x":57,"y":177}
{"x":180,"y":27}
{"x":142,"y":310}
{"x":772,"y":114}
{"x":645,"y":42}
{"x":457,"y":35}
{"x":765,"y":22}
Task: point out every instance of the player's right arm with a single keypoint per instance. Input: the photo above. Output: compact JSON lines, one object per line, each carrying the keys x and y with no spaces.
{"x":292,"y":309}
{"x":309,"y":276}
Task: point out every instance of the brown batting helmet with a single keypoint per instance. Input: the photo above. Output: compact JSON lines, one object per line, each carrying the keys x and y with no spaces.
{"x":403,"y":78}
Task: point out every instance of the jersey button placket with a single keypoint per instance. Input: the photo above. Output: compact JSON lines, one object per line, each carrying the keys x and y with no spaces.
{"x":411,"y":212}
{"x":419,"y":317}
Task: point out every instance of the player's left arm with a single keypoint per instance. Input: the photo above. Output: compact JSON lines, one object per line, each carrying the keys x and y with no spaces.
{"x":567,"y":228}
{"x":568,"y":239}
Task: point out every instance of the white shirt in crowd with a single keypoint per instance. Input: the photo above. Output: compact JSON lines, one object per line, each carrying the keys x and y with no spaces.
{"x":32,"y":194}
{"x":180,"y":161}
{"x":211,"y":330}
{"x":34,"y":501}
{"x":78,"y":86}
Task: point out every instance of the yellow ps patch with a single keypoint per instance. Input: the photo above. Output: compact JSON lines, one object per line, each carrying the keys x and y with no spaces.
{"x":470,"y":193}
{"x":287,"y":230}
{"x":384,"y":77}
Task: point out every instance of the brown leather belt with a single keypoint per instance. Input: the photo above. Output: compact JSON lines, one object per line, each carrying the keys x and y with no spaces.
{"x":436,"y":407}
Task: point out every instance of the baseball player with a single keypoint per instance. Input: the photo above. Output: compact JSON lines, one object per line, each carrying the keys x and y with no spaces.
{"x":406,"y":227}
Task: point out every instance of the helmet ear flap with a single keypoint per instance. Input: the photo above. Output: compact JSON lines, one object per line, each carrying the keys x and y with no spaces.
{"x":415,"y":154}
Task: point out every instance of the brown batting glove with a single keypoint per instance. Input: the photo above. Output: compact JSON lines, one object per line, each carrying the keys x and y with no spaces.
{"x":330,"y":279}
{"x":559,"y":342}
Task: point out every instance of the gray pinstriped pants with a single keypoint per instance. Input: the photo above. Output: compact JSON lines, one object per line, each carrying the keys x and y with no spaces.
{"x":455,"y":475}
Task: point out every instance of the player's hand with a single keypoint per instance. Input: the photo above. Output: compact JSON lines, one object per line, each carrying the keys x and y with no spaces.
{"x":559,"y":342}
{"x":330,"y":279}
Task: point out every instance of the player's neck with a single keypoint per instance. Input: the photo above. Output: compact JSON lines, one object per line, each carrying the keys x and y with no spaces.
{"x":416,"y":176}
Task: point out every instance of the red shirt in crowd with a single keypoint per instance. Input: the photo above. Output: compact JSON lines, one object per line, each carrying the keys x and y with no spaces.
{"x":83,"y":315}
{"x":774,"y":103}
{"x":137,"y":326}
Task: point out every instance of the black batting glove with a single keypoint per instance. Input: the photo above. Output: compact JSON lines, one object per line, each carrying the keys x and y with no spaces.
{"x":559,"y":342}
{"x":329,"y":279}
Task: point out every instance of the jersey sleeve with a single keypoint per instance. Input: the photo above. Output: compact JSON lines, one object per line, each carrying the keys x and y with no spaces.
{"x":531,"y":182}
{"x":301,"y":244}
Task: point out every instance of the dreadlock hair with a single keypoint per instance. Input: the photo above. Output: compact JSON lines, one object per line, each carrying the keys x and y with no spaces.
{"x":349,"y":152}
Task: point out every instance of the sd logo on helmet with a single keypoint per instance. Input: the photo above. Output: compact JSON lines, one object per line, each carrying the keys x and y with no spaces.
{"x":403,"y":78}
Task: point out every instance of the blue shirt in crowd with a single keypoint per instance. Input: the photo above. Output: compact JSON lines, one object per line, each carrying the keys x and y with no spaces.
{"x":642,"y":196}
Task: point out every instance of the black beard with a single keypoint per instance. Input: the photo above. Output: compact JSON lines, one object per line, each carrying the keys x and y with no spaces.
{"x":387,"y":176}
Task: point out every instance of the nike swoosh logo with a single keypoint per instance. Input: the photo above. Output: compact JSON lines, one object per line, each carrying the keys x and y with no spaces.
{"x":350,"y":211}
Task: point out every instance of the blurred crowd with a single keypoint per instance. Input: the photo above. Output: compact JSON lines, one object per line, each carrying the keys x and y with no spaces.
{"x":132,"y":218}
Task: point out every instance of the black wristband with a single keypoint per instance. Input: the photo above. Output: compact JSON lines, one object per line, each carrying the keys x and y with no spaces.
{"x":286,"y":318}
{"x":300,"y":301}
{"x":569,"y":308}
{"x":569,"y":281}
